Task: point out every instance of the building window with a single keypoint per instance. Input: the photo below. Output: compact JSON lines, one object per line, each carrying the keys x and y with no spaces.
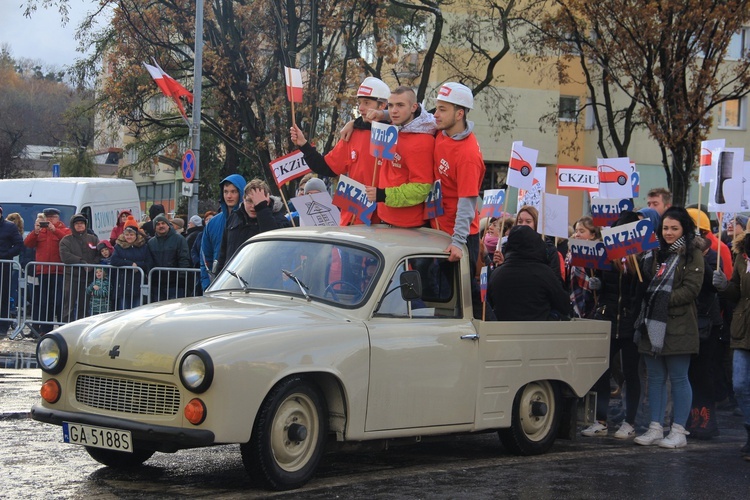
{"x":590,"y":122}
{"x":568,"y":109}
{"x":732,"y":114}
{"x":738,"y":45}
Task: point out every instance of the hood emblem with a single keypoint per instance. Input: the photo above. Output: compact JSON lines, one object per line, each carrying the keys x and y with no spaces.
{"x":114,"y":352}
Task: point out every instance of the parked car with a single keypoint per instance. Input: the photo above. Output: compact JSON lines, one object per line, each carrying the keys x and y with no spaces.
{"x":309,"y":338}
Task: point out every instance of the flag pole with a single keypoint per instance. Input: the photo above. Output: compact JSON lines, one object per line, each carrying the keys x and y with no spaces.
{"x":718,"y":247}
{"x":289,"y":79}
{"x":283,"y":198}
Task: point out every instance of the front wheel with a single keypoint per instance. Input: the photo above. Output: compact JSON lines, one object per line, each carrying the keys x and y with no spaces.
{"x":535,"y":419}
{"x":288,"y":436}
{"x":119,"y":459}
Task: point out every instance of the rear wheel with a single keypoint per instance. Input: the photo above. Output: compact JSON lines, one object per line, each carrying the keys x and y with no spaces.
{"x":535,"y":419}
{"x":288,"y":436}
{"x":119,"y":459}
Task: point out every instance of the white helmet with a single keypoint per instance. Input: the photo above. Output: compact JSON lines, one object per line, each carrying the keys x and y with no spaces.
{"x":374,"y":88}
{"x":456,"y":93}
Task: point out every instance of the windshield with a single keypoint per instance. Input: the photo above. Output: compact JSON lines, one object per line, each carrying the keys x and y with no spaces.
{"x":29,"y":212}
{"x":334,"y":273}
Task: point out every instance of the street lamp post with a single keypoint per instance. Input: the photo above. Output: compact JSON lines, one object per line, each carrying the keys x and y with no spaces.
{"x":195,"y":129}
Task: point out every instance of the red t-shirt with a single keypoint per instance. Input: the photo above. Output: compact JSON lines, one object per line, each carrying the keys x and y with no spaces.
{"x":353,"y":159}
{"x":460,"y":167}
{"x":412,"y":163}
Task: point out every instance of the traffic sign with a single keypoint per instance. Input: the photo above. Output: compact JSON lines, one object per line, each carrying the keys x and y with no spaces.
{"x":187,"y":189}
{"x":188,"y":166}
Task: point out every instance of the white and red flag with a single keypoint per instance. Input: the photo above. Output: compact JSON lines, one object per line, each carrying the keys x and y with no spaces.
{"x":170,"y":87}
{"x":293,"y":78}
{"x":289,"y":167}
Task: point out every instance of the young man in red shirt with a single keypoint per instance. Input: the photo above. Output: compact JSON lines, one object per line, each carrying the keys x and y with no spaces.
{"x":351,"y":158}
{"x":404,"y":182}
{"x":460,"y":168}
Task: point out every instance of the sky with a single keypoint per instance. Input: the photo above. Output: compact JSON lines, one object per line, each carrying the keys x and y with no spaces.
{"x":42,"y":36}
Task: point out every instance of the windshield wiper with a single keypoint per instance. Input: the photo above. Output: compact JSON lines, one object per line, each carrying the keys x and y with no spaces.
{"x":243,"y":282}
{"x":301,"y":285}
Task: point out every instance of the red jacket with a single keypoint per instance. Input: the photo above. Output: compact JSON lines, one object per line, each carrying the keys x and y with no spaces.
{"x":412,"y":165}
{"x":47,"y":245}
{"x":725,"y":254}
{"x":353,"y":159}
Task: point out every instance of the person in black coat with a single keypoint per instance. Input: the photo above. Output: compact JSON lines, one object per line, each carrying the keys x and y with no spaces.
{"x":259,"y":212}
{"x":524,"y":287}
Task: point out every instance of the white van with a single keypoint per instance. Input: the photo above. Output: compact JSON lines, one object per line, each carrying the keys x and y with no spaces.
{"x":98,"y":199}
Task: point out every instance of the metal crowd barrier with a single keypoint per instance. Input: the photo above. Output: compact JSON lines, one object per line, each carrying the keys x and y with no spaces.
{"x":51,"y":294}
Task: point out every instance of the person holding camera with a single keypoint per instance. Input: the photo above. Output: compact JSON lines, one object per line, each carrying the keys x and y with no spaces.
{"x":45,"y":239}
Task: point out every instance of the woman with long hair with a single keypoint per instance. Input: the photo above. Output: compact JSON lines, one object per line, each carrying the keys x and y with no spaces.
{"x":667,"y":326}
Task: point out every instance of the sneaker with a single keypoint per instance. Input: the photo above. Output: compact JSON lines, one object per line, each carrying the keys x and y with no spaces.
{"x":654,"y":433}
{"x":675,"y":439}
{"x":597,"y":429}
{"x":625,"y":431}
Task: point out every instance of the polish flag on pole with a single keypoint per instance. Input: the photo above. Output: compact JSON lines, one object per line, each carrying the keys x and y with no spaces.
{"x":293,"y":84}
{"x":170,"y":87}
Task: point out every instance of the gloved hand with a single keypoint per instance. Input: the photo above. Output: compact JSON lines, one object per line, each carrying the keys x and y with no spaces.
{"x":720,"y":281}
{"x":595,"y":284}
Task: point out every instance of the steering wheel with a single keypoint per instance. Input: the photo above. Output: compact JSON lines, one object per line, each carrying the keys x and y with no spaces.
{"x":342,"y":284}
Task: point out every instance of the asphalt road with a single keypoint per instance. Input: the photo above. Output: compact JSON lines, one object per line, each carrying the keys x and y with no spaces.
{"x":36,"y":464}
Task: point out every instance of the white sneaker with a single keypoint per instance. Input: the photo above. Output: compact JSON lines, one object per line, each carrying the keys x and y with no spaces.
{"x":625,"y":431}
{"x":676,"y":438}
{"x":654,"y":433}
{"x":597,"y":429}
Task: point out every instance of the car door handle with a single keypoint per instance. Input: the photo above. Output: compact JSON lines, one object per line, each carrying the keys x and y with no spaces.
{"x":471,"y":336}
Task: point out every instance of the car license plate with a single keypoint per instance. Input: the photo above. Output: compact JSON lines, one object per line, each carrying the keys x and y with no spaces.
{"x":98,"y":437}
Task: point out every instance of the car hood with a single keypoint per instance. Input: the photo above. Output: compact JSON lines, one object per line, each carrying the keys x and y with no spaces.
{"x":150,"y":338}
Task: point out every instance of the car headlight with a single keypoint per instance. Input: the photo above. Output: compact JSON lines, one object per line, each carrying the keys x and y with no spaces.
{"x":196,"y":371}
{"x":52,"y":353}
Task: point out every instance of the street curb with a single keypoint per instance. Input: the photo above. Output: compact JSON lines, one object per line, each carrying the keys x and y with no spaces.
{"x":15,"y":415}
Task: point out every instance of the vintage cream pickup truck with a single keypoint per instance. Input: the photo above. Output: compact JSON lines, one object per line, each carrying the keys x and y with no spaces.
{"x":311,"y":338}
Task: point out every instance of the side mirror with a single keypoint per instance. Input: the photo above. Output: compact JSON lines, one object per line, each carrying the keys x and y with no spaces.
{"x":411,"y":285}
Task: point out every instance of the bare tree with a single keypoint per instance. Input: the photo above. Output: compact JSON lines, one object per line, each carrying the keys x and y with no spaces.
{"x":669,"y":57}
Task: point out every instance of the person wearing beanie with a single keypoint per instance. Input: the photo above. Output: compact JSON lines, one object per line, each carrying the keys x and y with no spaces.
{"x":178,"y":224}
{"x":315,"y":185}
{"x":168,"y":249}
{"x":105,"y":250}
{"x":46,"y":302}
{"x":130,"y":222}
{"x":122,"y":217}
{"x":133,"y":259}
{"x":153,"y":211}
{"x":11,"y":245}
{"x":231,"y":189}
{"x":79,"y":247}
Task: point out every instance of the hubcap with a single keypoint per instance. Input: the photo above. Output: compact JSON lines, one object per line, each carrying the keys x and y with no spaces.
{"x":294,"y":432}
{"x":537,"y":410}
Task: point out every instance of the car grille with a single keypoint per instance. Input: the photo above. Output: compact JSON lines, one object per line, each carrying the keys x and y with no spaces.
{"x":127,"y":396}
